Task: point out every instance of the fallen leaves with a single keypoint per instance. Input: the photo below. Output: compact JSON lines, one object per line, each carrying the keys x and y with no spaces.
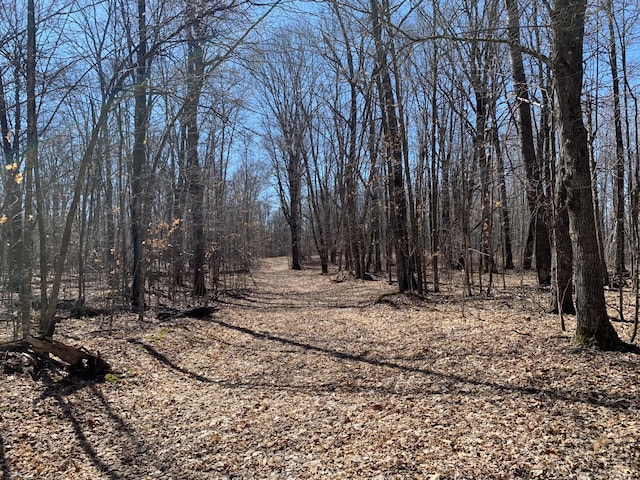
{"x":306,"y":378}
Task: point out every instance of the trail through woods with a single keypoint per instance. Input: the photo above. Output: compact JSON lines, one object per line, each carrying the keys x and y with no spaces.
{"x":301,"y":377}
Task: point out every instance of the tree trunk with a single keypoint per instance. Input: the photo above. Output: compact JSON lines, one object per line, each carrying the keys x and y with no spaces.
{"x":79,"y":360}
{"x":594,"y":190}
{"x":195,"y":188}
{"x":618,"y":184}
{"x":395,"y":159}
{"x":12,"y":204}
{"x":294,"y":218}
{"x":535,"y":191}
{"x":31,"y":157}
{"x":562,"y":294}
{"x":139,"y":157}
{"x":504,"y":199}
{"x":593,"y":326}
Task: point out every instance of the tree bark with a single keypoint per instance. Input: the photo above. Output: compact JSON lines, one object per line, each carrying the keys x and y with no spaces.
{"x":138,"y":229}
{"x":534,"y":184}
{"x":618,"y":184}
{"x":13,"y":196}
{"x":31,"y":157}
{"x":195,"y":72}
{"x":562,"y":266}
{"x":504,"y":199}
{"x":593,"y":326}
{"x":395,"y":159}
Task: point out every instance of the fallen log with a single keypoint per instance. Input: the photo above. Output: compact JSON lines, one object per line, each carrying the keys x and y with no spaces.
{"x":169,"y":313}
{"x":80,"y":361}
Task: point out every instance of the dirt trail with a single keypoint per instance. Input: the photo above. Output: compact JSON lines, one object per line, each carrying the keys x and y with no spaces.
{"x":304,"y":378}
{"x":274,"y":285}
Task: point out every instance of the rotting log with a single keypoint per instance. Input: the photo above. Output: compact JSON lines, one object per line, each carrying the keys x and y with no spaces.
{"x":79,"y":360}
{"x":169,"y":313}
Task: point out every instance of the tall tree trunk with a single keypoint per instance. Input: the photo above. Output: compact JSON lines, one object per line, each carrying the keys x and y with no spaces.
{"x":415,"y":240}
{"x":535,"y":191}
{"x":295,"y":215}
{"x":592,"y":326}
{"x":504,"y":199}
{"x":434,"y":197}
{"x":561,"y":300}
{"x":562,"y":293}
{"x":354,"y":227}
{"x":445,"y":193}
{"x":483,"y":161}
{"x":138,"y":162}
{"x":195,"y":187}
{"x":618,"y":185}
{"x":395,"y":158}
{"x":31,"y":157}
{"x":12,"y":204}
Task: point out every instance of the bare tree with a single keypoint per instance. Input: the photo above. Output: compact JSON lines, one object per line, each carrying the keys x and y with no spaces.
{"x":287,"y":80}
{"x":534,"y":181}
{"x":139,"y":161}
{"x":619,"y":176}
{"x":593,"y":326}
{"x":393,"y":141}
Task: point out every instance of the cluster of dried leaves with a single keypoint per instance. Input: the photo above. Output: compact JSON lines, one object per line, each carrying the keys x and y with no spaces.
{"x":303,"y":377}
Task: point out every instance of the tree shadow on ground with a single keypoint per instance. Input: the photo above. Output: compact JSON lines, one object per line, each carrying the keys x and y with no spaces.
{"x":60,"y":389}
{"x":164,"y":360}
{"x":593,"y":398}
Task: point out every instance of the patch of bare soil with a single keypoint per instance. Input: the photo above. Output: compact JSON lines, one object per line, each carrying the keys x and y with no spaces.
{"x":302,"y":377}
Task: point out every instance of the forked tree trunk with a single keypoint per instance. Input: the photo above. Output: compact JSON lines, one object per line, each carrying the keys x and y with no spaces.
{"x":562,"y":291}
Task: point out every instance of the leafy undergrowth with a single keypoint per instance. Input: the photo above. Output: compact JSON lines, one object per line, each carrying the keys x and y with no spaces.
{"x":302,"y":377}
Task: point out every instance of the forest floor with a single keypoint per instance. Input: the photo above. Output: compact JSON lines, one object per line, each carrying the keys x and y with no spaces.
{"x":301,"y":377}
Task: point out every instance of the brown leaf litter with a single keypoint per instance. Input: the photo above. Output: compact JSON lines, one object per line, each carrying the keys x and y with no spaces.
{"x":302,"y":377}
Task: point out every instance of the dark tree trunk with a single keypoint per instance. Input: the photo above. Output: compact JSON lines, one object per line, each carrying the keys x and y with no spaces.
{"x":535,"y":192}
{"x":31,"y":157}
{"x":504,"y":200}
{"x":618,"y":185}
{"x":12,"y":204}
{"x":393,"y":150}
{"x":195,"y":185}
{"x":593,"y":326}
{"x":294,"y":217}
{"x":562,"y":294}
{"x":138,"y":229}
{"x":354,"y":227}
